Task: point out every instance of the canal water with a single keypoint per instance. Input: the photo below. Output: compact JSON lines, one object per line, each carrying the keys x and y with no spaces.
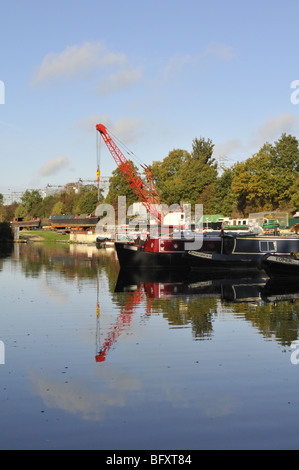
{"x":94,"y":358}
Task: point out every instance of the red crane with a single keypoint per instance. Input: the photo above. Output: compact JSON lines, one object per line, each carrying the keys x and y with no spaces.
{"x":148,"y":196}
{"x":123,"y":321}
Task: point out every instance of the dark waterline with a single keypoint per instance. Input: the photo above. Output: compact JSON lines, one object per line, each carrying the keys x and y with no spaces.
{"x":97,"y":359}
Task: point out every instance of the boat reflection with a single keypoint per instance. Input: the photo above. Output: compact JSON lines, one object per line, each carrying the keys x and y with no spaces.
{"x":194,"y":289}
{"x":225,"y":285}
{"x":276,"y":290}
{"x":165,"y":284}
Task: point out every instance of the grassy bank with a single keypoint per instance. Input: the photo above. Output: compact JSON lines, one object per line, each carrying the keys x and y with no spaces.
{"x":47,"y":236}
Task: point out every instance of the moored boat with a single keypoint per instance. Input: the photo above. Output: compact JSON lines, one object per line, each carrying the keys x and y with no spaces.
{"x":73,"y":221}
{"x":225,"y":251}
{"x":244,"y":251}
{"x":279,"y":266}
{"x":159,"y":252}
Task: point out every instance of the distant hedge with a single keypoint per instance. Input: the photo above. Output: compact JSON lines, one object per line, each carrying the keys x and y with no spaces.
{"x":6,"y":234}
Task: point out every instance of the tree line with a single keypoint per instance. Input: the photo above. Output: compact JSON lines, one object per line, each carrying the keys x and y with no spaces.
{"x":265,"y":181}
{"x":71,"y":200}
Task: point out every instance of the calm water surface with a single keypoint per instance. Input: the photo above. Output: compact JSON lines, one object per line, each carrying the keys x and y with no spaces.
{"x":97,"y":359}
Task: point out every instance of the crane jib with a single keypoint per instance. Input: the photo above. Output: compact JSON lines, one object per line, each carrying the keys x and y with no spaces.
{"x":149,"y":197}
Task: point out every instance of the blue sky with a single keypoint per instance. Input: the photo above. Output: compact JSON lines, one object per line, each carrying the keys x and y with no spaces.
{"x":157,"y":73}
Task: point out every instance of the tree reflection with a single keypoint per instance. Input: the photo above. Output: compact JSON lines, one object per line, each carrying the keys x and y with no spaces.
{"x":273,"y":309}
{"x":183,"y":301}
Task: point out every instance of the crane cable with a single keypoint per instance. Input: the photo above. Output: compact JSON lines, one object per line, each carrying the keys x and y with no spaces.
{"x":125,"y":148}
{"x":98,"y":151}
{"x":138,"y":161}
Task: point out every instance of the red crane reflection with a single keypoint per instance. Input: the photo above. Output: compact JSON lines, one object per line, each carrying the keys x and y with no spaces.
{"x":122,"y":322}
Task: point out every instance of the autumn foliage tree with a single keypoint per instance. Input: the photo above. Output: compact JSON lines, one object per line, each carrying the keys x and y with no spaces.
{"x":118,"y":186}
{"x":168,"y":177}
{"x":183,"y":176}
{"x":266,"y":180}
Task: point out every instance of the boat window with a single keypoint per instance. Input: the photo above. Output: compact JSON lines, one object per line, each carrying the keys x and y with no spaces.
{"x":267,"y":246}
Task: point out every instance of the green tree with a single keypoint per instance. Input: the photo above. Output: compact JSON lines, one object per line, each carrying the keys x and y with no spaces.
{"x":252,"y":182}
{"x":206,"y":198}
{"x":21,"y":211}
{"x":30,"y":199}
{"x":87,"y":202}
{"x":44,"y":208}
{"x":58,"y":208}
{"x":223,"y":199}
{"x":118,"y":186}
{"x":285,"y":161}
{"x":7,"y":212}
{"x":285,"y":153}
{"x":199,"y":170}
{"x":69,"y":199}
{"x":266,"y":180}
{"x":294,"y":198}
{"x":167,"y":177}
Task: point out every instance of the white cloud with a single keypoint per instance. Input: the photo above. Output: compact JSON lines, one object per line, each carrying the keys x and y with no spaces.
{"x":126,"y":130}
{"x":88,"y":124}
{"x":54,"y":165}
{"x":120,"y":80}
{"x":223,"y":151}
{"x":76,"y":61}
{"x":275,"y":126}
{"x":219,"y":51}
{"x":177,"y":63}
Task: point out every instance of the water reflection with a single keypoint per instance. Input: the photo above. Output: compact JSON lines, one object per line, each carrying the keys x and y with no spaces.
{"x":70,"y":261}
{"x":183,"y":299}
{"x":270,"y":305}
{"x":109,"y":352}
{"x":5,"y":252}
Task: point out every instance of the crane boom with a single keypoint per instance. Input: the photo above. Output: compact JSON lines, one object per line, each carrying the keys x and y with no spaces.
{"x":148,"y":197}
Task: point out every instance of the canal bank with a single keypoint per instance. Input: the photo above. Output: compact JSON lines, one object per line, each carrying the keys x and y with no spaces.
{"x":51,"y":236}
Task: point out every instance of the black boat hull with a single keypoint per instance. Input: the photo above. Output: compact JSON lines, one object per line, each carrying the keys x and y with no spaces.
{"x":226,"y":252}
{"x":281,"y":266}
{"x":216,"y":261}
{"x":132,"y":256}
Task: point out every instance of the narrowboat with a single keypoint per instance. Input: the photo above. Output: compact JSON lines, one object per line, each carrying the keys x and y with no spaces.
{"x":223,"y":251}
{"x":159,"y":252}
{"x":244,"y":251}
{"x":73,"y":221}
{"x":279,"y":266}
